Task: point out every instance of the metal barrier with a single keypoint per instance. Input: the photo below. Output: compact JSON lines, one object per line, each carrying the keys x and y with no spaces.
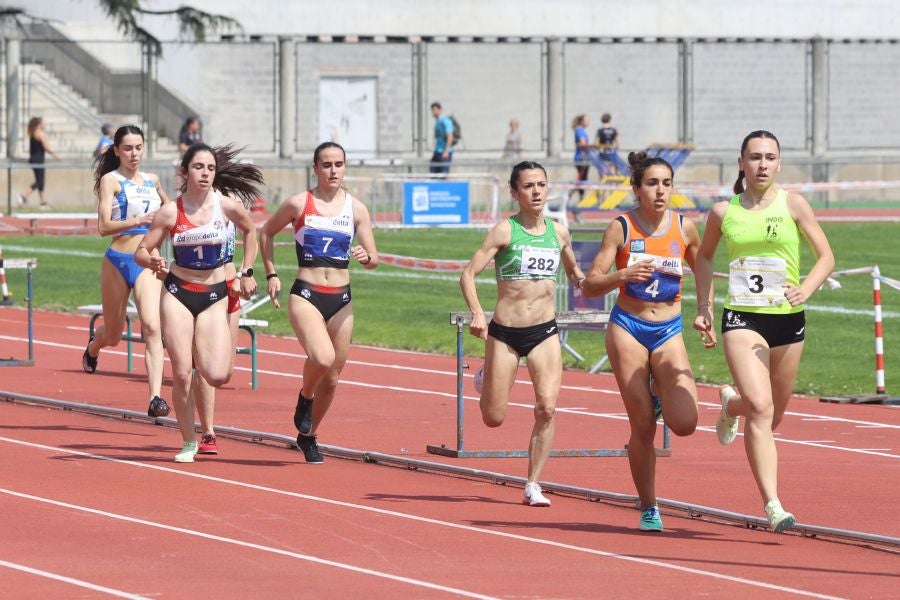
{"x":583,"y":319}
{"x":29,"y":264}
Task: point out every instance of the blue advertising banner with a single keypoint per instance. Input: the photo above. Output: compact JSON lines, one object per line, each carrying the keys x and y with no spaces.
{"x":585,"y":251}
{"x":436,"y":203}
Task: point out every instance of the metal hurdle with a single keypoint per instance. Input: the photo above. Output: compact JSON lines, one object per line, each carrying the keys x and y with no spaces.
{"x":29,"y":264}
{"x":583,"y":319}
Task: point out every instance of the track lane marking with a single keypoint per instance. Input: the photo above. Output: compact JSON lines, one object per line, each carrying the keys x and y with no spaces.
{"x":408,"y":516}
{"x":70,"y":580}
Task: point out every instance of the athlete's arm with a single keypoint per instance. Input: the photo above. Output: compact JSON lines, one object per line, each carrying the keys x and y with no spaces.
{"x":570,"y":263}
{"x":283,"y":217}
{"x":599,"y":279}
{"x":365,"y":252}
{"x":497,"y":238}
{"x":237,"y":214}
{"x":692,"y":246}
{"x":703,"y":273}
{"x":147,"y":253}
{"x":803,"y":215}
{"x":163,"y":197}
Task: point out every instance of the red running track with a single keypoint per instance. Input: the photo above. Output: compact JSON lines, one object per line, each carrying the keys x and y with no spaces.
{"x":257,"y":519}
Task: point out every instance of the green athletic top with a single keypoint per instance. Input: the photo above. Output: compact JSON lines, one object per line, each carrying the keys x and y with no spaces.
{"x":764,"y":254}
{"x":528,"y":256}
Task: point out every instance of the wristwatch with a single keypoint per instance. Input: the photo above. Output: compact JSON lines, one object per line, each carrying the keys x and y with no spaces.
{"x":248,"y":272}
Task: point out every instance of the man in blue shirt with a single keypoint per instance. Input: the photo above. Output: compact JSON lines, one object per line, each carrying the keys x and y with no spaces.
{"x":443,"y":138}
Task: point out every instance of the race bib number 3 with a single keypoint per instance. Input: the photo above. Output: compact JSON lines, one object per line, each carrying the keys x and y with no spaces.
{"x":757,"y":281}
{"x":539,"y":261}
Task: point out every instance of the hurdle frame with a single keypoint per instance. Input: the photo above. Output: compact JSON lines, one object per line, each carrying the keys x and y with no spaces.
{"x":583,"y":318}
{"x":29,"y":264}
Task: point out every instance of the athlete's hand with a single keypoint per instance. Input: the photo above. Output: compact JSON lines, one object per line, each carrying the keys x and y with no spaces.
{"x":248,"y":286}
{"x":703,"y":324}
{"x":273,"y":285}
{"x":360,"y":254}
{"x":144,"y":219}
{"x":795,"y":294}
{"x":639,"y":271}
{"x":478,"y":328}
{"x":159,"y":265}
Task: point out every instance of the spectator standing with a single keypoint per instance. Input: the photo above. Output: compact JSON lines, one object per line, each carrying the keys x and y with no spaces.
{"x":37,"y":150}
{"x":607,"y":135}
{"x":513,"y":147}
{"x":189,"y":134}
{"x":443,"y":140}
{"x":582,"y":144}
{"x":105,"y":141}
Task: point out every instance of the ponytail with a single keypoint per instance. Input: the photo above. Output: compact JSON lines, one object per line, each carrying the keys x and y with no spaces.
{"x":739,"y":184}
{"x":232,"y":178}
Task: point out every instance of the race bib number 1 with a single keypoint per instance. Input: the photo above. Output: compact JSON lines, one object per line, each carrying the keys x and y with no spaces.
{"x":757,"y":281}
{"x":539,"y":261}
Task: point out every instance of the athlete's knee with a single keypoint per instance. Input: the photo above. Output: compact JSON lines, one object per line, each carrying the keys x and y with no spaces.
{"x":492,"y":416}
{"x":544,"y":412}
{"x":321,"y":360}
{"x":682,"y":428}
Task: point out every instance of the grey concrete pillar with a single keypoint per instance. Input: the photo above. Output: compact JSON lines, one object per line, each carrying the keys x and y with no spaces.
{"x":555,"y":123}
{"x":13,"y":58}
{"x":287,"y":98}
{"x":420,"y":108}
{"x":686,"y":91}
{"x":819,"y":96}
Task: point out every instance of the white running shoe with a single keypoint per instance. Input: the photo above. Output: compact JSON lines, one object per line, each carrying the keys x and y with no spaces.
{"x":533,"y":495}
{"x":21,"y":200}
{"x":726,"y":426}
{"x":188,"y":451}
{"x":779,"y":519}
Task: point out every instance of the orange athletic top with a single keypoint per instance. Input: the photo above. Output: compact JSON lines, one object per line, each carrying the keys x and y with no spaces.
{"x":667,"y":251}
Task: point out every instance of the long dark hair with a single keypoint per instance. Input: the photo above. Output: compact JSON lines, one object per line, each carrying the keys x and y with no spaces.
{"x":108,"y":161}
{"x":640,"y":162}
{"x":525,"y":165}
{"x":233,"y":178}
{"x":759,"y":133}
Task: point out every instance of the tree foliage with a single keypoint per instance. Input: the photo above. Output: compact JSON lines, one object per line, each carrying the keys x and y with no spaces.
{"x":193,"y":24}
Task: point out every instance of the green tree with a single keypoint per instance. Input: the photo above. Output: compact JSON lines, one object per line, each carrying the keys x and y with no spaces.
{"x":193,"y":24}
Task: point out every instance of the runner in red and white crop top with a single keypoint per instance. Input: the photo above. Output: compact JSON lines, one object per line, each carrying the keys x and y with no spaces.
{"x":200,"y":246}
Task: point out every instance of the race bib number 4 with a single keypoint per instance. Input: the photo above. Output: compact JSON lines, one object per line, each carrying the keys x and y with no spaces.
{"x":670,"y":265}
{"x":539,"y":261}
{"x":757,"y":281}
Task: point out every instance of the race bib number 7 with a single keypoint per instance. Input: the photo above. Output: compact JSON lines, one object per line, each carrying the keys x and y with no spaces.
{"x":539,"y":261}
{"x":757,"y":281}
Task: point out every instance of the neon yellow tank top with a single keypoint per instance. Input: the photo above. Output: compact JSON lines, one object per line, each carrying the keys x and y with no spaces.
{"x":763,"y":254}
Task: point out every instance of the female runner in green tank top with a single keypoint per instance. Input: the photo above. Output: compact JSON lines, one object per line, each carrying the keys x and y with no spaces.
{"x":527,"y":249}
{"x":763,"y":324}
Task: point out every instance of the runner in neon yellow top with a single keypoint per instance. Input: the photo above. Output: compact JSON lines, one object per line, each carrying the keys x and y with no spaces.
{"x":763,"y":324}
{"x":527,"y":249}
{"x":763,"y":255}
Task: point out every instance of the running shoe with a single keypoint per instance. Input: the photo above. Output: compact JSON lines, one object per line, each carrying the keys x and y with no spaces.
{"x":650,"y":519}
{"x":310,"y":449}
{"x":208,"y":445}
{"x":654,"y":396}
{"x":21,"y":200}
{"x":157,"y":408}
{"x":534,"y":496}
{"x":726,"y":426}
{"x":779,"y":519}
{"x":303,"y":415}
{"x":88,"y":362}
{"x":188,"y":451}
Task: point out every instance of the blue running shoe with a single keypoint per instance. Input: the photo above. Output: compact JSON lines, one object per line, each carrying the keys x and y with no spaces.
{"x":650,"y":519}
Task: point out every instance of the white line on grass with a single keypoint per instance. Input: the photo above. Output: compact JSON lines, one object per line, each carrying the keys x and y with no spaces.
{"x":381,"y":511}
{"x":77,"y":582}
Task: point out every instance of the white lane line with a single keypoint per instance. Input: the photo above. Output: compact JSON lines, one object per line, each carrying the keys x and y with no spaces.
{"x":251,"y":545}
{"x":886,"y":453}
{"x":77,"y":582}
{"x":411,"y":517}
{"x":613,"y":416}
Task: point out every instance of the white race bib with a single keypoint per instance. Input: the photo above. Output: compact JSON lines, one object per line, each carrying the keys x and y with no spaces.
{"x":539,"y":261}
{"x":670,"y":265}
{"x":757,"y":281}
